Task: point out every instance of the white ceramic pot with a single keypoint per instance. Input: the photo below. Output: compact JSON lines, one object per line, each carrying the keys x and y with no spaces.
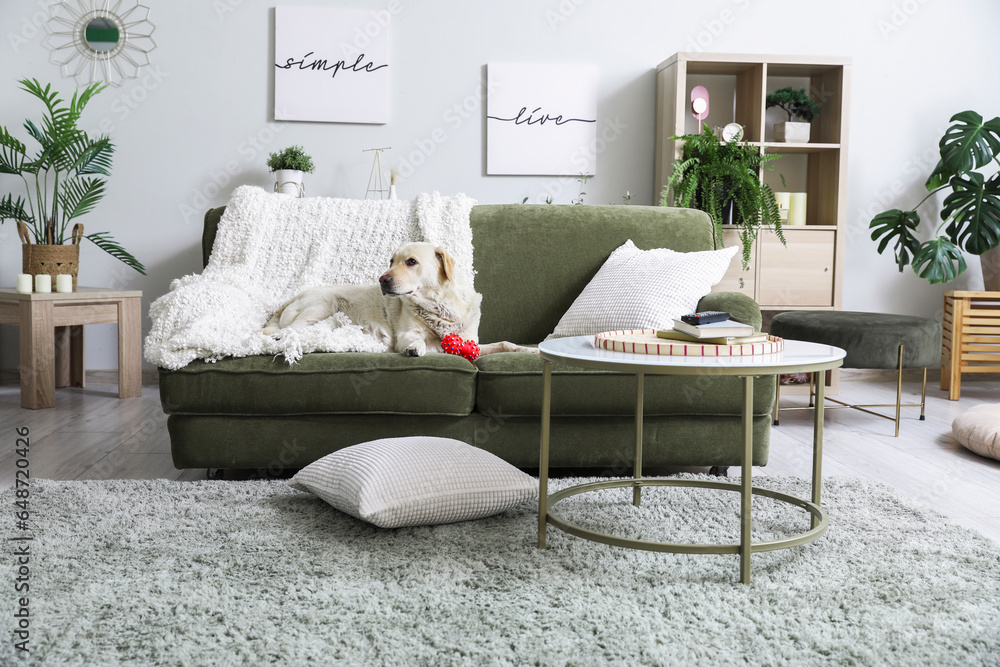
{"x":289,"y":182}
{"x":792,"y":133}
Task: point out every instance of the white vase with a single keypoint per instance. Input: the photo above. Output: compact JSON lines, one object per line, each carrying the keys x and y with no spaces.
{"x":792,"y":133}
{"x":289,"y":182}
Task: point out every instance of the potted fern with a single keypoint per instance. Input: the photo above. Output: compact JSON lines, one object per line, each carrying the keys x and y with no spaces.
{"x":722,"y":178}
{"x":801,"y":109}
{"x":64,"y":180}
{"x":289,"y":167}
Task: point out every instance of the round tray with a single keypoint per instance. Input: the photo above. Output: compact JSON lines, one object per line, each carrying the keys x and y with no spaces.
{"x":645,"y":341}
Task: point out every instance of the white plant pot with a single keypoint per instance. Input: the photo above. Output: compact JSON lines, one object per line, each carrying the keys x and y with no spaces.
{"x":792,"y":133}
{"x":289,"y":182}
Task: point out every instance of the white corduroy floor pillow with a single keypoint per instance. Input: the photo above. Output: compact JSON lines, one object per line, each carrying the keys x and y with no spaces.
{"x":978,"y":429}
{"x":643,"y":289}
{"x":416,"y":481}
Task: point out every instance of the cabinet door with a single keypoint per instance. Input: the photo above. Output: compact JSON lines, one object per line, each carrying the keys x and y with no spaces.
{"x":731,"y":281}
{"x":800,"y":274}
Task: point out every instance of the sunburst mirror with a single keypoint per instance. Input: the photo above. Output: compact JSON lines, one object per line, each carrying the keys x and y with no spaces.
{"x":100,"y":40}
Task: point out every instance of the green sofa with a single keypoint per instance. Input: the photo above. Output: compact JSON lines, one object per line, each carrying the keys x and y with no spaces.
{"x":532,"y":262}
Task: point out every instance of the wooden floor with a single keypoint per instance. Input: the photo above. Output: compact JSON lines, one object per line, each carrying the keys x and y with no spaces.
{"x":91,"y":434}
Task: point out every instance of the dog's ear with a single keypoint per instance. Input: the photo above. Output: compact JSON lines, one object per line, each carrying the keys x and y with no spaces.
{"x":446,"y":261}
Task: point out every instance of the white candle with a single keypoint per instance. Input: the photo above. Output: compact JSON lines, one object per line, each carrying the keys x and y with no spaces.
{"x":782,"y":199}
{"x":24,"y":283}
{"x":64,"y":282}
{"x":43,"y":282}
{"x":797,"y":209}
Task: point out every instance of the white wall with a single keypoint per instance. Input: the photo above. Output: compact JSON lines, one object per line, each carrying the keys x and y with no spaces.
{"x":199,"y":123}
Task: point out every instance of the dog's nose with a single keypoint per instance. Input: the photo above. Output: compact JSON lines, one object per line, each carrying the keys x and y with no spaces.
{"x":385,"y":282}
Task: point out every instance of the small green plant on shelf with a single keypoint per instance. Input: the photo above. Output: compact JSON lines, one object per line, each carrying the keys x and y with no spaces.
{"x":721,"y":177}
{"x":68,"y":173}
{"x":293,"y":157}
{"x":795,"y":102}
{"x":970,"y":214}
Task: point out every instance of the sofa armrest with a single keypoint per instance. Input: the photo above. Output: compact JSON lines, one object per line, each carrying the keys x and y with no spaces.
{"x":739,"y":306}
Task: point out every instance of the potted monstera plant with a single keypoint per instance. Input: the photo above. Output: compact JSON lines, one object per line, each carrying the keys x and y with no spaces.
{"x":970,"y":213}
{"x":63,"y":181}
{"x":722,"y":178}
{"x":801,"y":109}
{"x":290,"y":166}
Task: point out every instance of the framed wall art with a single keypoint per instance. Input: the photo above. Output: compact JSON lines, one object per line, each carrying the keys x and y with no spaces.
{"x":541,"y":119}
{"x":331,"y":65}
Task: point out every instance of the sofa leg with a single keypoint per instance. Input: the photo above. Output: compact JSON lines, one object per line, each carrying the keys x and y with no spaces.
{"x":719,"y":471}
{"x":216,"y":473}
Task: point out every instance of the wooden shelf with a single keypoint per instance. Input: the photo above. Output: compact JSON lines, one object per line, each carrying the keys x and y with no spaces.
{"x":808,"y":273}
{"x":779,"y":147}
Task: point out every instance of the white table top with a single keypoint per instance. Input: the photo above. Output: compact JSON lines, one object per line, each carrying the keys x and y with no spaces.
{"x":798,"y":356}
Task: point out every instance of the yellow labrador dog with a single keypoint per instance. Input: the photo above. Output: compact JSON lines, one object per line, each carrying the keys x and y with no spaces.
{"x":418,"y":301}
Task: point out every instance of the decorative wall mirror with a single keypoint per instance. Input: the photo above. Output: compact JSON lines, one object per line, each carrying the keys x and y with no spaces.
{"x":100,"y":40}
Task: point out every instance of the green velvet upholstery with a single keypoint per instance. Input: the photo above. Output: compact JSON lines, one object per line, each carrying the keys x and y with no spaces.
{"x":323,"y":383}
{"x":532,"y":262}
{"x":509,"y":383}
{"x":607,"y":444}
{"x":871,"y":340}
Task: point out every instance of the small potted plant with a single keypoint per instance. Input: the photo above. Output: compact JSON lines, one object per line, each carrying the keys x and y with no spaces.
{"x":970,"y":213}
{"x":289,"y":166}
{"x":798,"y":105}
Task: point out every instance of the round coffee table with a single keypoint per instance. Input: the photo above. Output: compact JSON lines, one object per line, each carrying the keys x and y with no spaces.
{"x":797,"y":357}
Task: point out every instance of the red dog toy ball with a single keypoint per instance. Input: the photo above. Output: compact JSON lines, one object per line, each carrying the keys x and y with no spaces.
{"x":470,"y":350}
{"x":452,"y":344}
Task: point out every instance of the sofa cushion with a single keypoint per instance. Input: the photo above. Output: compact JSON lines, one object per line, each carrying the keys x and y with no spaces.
{"x":416,"y":481}
{"x":643,"y":289}
{"x":510,"y":385}
{"x":323,"y":383}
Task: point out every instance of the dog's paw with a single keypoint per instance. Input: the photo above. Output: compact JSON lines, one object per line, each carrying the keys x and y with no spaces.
{"x":417,"y":348}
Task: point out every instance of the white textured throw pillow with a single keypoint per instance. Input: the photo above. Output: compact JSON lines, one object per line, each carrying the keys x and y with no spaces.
{"x":643,"y":289}
{"x":416,"y":481}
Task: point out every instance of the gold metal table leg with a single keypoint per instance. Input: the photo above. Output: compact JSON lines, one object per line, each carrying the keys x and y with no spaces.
{"x":639,"y":382}
{"x":746,"y":483}
{"x":543,"y":460}
{"x":899,"y":388}
{"x":817,"y":478}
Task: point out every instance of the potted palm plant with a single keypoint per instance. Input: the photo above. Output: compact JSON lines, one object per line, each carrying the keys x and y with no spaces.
{"x":722,"y":178}
{"x":64,"y":180}
{"x":970,"y":214}
{"x":801,"y":109}
{"x":289,"y":167}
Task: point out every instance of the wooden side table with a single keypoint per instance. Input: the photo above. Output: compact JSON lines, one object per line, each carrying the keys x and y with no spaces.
{"x":51,"y":328}
{"x":971,"y":337}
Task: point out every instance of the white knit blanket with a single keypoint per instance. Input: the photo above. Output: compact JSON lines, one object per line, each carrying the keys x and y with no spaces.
{"x":270,"y":247}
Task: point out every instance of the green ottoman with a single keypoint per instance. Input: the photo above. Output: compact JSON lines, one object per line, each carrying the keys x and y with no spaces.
{"x":872,"y":340}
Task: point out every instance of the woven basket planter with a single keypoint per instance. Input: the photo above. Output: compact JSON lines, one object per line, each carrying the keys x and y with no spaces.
{"x":50,"y":259}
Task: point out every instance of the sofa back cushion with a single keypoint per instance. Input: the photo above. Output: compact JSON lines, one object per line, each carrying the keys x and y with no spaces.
{"x":533,"y":260}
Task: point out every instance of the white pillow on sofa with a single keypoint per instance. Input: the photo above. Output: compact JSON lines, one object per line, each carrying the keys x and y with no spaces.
{"x":416,"y":481}
{"x":644,"y":289}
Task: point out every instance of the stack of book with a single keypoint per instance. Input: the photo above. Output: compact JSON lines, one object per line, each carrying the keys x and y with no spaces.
{"x":726,"y":332}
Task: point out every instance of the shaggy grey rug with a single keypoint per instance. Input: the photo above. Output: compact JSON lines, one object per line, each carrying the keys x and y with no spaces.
{"x":201,"y":573}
